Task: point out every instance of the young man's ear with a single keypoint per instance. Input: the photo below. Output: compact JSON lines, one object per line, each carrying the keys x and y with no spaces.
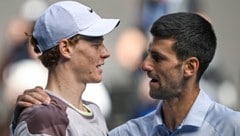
{"x":191,"y":66}
{"x":64,"y":48}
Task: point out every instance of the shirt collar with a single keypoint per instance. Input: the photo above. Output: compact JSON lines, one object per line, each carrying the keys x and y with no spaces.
{"x":198,"y":110}
{"x":196,"y":114}
{"x":157,"y":120}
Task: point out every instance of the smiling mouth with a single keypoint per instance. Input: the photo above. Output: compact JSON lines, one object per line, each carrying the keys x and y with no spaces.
{"x":99,"y":66}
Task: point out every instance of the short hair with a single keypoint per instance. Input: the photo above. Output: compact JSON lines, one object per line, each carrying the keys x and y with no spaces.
{"x":194,"y":37}
{"x":50,"y":57}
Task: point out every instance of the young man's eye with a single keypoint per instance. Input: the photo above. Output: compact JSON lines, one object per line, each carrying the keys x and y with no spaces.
{"x":97,"y":45}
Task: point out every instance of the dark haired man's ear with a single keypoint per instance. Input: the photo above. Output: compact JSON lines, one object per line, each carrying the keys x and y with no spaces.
{"x":191,"y":66}
{"x":64,"y":48}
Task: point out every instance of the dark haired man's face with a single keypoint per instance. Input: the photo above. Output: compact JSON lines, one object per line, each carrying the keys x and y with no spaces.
{"x":164,"y":69}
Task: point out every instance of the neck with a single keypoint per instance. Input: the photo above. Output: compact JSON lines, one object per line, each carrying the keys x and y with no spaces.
{"x":65,"y":85}
{"x":176,"y":109}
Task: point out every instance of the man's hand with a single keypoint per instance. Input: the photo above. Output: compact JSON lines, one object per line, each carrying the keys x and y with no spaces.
{"x":27,"y":99}
{"x":33,"y":96}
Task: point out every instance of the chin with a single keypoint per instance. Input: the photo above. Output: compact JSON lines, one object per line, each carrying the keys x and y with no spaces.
{"x":97,"y":80}
{"x":155,"y":95}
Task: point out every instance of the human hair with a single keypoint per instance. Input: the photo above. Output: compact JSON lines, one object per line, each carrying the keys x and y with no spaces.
{"x":194,"y":37}
{"x":50,"y":57}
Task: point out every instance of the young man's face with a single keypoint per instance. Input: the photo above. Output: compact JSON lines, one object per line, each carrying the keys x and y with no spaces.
{"x":164,"y":69}
{"x":88,"y":58}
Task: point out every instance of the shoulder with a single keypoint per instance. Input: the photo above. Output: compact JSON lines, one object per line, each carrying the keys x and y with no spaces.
{"x":229,"y":116}
{"x":41,"y":113}
{"x":55,"y":109}
{"x":223,"y":118}
{"x":224,"y":112}
{"x":44,"y":118}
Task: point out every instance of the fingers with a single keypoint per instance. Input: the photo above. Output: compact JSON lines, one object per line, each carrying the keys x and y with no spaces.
{"x":26,"y":101}
{"x":33,"y":96}
{"x":24,"y":104}
{"x":41,"y":95}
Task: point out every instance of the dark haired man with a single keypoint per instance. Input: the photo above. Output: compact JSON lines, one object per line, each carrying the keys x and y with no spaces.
{"x":183,"y":46}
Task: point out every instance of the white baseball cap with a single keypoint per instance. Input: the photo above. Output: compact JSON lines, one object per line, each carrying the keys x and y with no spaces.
{"x":67,"y":18}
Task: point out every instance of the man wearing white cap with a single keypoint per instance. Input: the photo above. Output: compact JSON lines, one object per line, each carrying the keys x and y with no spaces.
{"x":69,"y":37}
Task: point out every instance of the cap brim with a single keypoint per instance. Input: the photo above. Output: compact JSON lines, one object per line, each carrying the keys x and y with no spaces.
{"x":101,"y":27}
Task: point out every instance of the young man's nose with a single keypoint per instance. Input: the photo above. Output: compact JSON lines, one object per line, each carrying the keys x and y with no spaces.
{"x":105,"y":53}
